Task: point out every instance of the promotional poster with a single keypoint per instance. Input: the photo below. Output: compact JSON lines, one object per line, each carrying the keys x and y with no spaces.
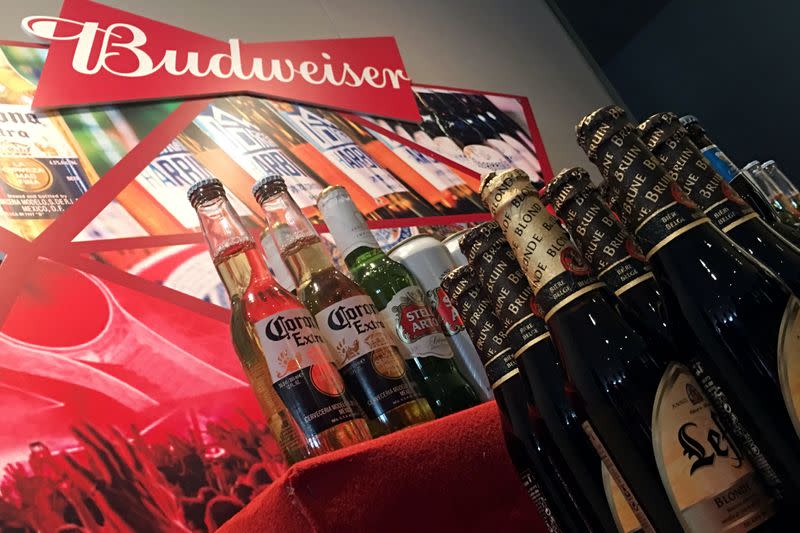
{"x":119,"y":384}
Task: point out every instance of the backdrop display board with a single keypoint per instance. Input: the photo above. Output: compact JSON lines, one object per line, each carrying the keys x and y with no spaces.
{"x":115,"y":358}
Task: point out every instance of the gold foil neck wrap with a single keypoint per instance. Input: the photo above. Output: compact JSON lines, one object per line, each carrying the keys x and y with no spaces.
{"x":540,"y":245}
{"x":488,"y":181}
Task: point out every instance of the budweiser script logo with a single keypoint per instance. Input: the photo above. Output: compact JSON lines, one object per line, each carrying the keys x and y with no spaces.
{"x":100,"y":54}
{"x":302,"y":330}
{"x":102,"y":49}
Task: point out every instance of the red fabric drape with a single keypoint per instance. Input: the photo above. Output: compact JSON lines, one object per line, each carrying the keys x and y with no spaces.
{"x":451,"y":474}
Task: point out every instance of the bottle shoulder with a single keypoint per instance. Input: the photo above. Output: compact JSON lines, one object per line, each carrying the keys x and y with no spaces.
{"x":264,"y":298}
{"x":326,"y":288}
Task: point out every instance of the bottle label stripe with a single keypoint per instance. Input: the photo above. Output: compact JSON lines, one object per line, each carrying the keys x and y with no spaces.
{"x":572,"y":296}
{"x":533,"y":342}
{"x":634,"y":282}
{"x":672,"y":236}
{"x":600,"y":448}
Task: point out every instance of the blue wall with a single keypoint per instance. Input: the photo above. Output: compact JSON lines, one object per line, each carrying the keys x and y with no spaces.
{"x":735,"y":64}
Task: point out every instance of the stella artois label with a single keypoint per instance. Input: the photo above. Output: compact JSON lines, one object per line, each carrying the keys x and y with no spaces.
{"x":449,"y":319}
{"x":415,"y":325}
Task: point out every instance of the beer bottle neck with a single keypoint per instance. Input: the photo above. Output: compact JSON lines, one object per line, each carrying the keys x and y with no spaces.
{"x":613,"y":255}
{"x":651,"y":205}
{"x":348,"y":227}
{"x":307,"y":261}
{"x":698,"y":179}
{"x":555,"y":269}
{"x":233,"y":249}
{"x":296,"y":239}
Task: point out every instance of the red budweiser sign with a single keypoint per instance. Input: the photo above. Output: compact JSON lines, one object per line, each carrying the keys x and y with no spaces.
{"x":99,"y":54}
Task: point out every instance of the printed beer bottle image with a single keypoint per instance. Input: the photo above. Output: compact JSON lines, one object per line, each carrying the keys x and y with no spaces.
{"x":440,"y":200}
{"x":642,"y":407}
{"x":229,"y":124}
{"x":363,"y":349}
{"x":280,"y":348}
{"x":667,"y":139}
{"x":504,"y":284}
{"x":42,"y":169}
{"x":461,"y":199}
{"x":402,"y":303}
{"x":744,"y":318}
{"x":341,"y":149}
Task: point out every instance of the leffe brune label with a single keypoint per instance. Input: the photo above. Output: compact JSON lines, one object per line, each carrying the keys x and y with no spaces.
{"x":415,"y":325}
{"x":710,"y":481}
{"x":305,"y":380}
{"x":615,"y":257}
{"x":789,"y":360}
{"x":694,"y":173}
{"x":366,"y":355}
{"x":643,"y":195}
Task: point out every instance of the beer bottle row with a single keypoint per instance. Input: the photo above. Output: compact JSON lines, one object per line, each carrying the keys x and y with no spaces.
{"x":344,"y":358}
{"x":644,"y":345}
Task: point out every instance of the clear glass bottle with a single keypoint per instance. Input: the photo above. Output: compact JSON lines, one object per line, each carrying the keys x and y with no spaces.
{"x":364,"y":350}
{"x":281,"y":350}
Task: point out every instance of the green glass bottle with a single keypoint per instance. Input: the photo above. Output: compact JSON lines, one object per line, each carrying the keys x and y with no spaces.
{"x":402,"y":304}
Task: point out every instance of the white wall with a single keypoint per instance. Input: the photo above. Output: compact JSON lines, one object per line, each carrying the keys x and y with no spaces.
{"x":514,"y":46}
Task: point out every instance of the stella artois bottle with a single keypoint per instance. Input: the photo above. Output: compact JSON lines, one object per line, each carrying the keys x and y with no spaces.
{"x":402,"y":303}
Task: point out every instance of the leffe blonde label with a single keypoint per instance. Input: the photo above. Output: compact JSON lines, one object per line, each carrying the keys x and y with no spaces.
{"x":711,"y":484}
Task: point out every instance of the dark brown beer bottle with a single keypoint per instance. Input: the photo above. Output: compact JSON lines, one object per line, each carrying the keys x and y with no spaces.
{"x":504,"y":284}
{"x":645,"y":410}
{"x":530,"y":453}
{"x":745,"y":319}
{"x":617,"y":260}
{"x":667,"y":139}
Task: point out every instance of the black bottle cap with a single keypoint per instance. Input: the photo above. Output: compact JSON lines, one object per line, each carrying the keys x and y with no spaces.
{"x":268,"y":186}
{"x":205,"y":190}
{"x":688,"y":120}
{"x":485,"y":232}
{"x":567,"y":184}
{"x":596,"y":128}
{"x":659,"y":128}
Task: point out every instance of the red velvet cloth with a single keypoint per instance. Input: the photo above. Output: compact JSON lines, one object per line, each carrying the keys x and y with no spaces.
{"x":451,"y":474}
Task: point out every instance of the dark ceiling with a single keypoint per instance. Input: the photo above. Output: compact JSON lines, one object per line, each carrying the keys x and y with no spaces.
{"x":605,"y":26}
